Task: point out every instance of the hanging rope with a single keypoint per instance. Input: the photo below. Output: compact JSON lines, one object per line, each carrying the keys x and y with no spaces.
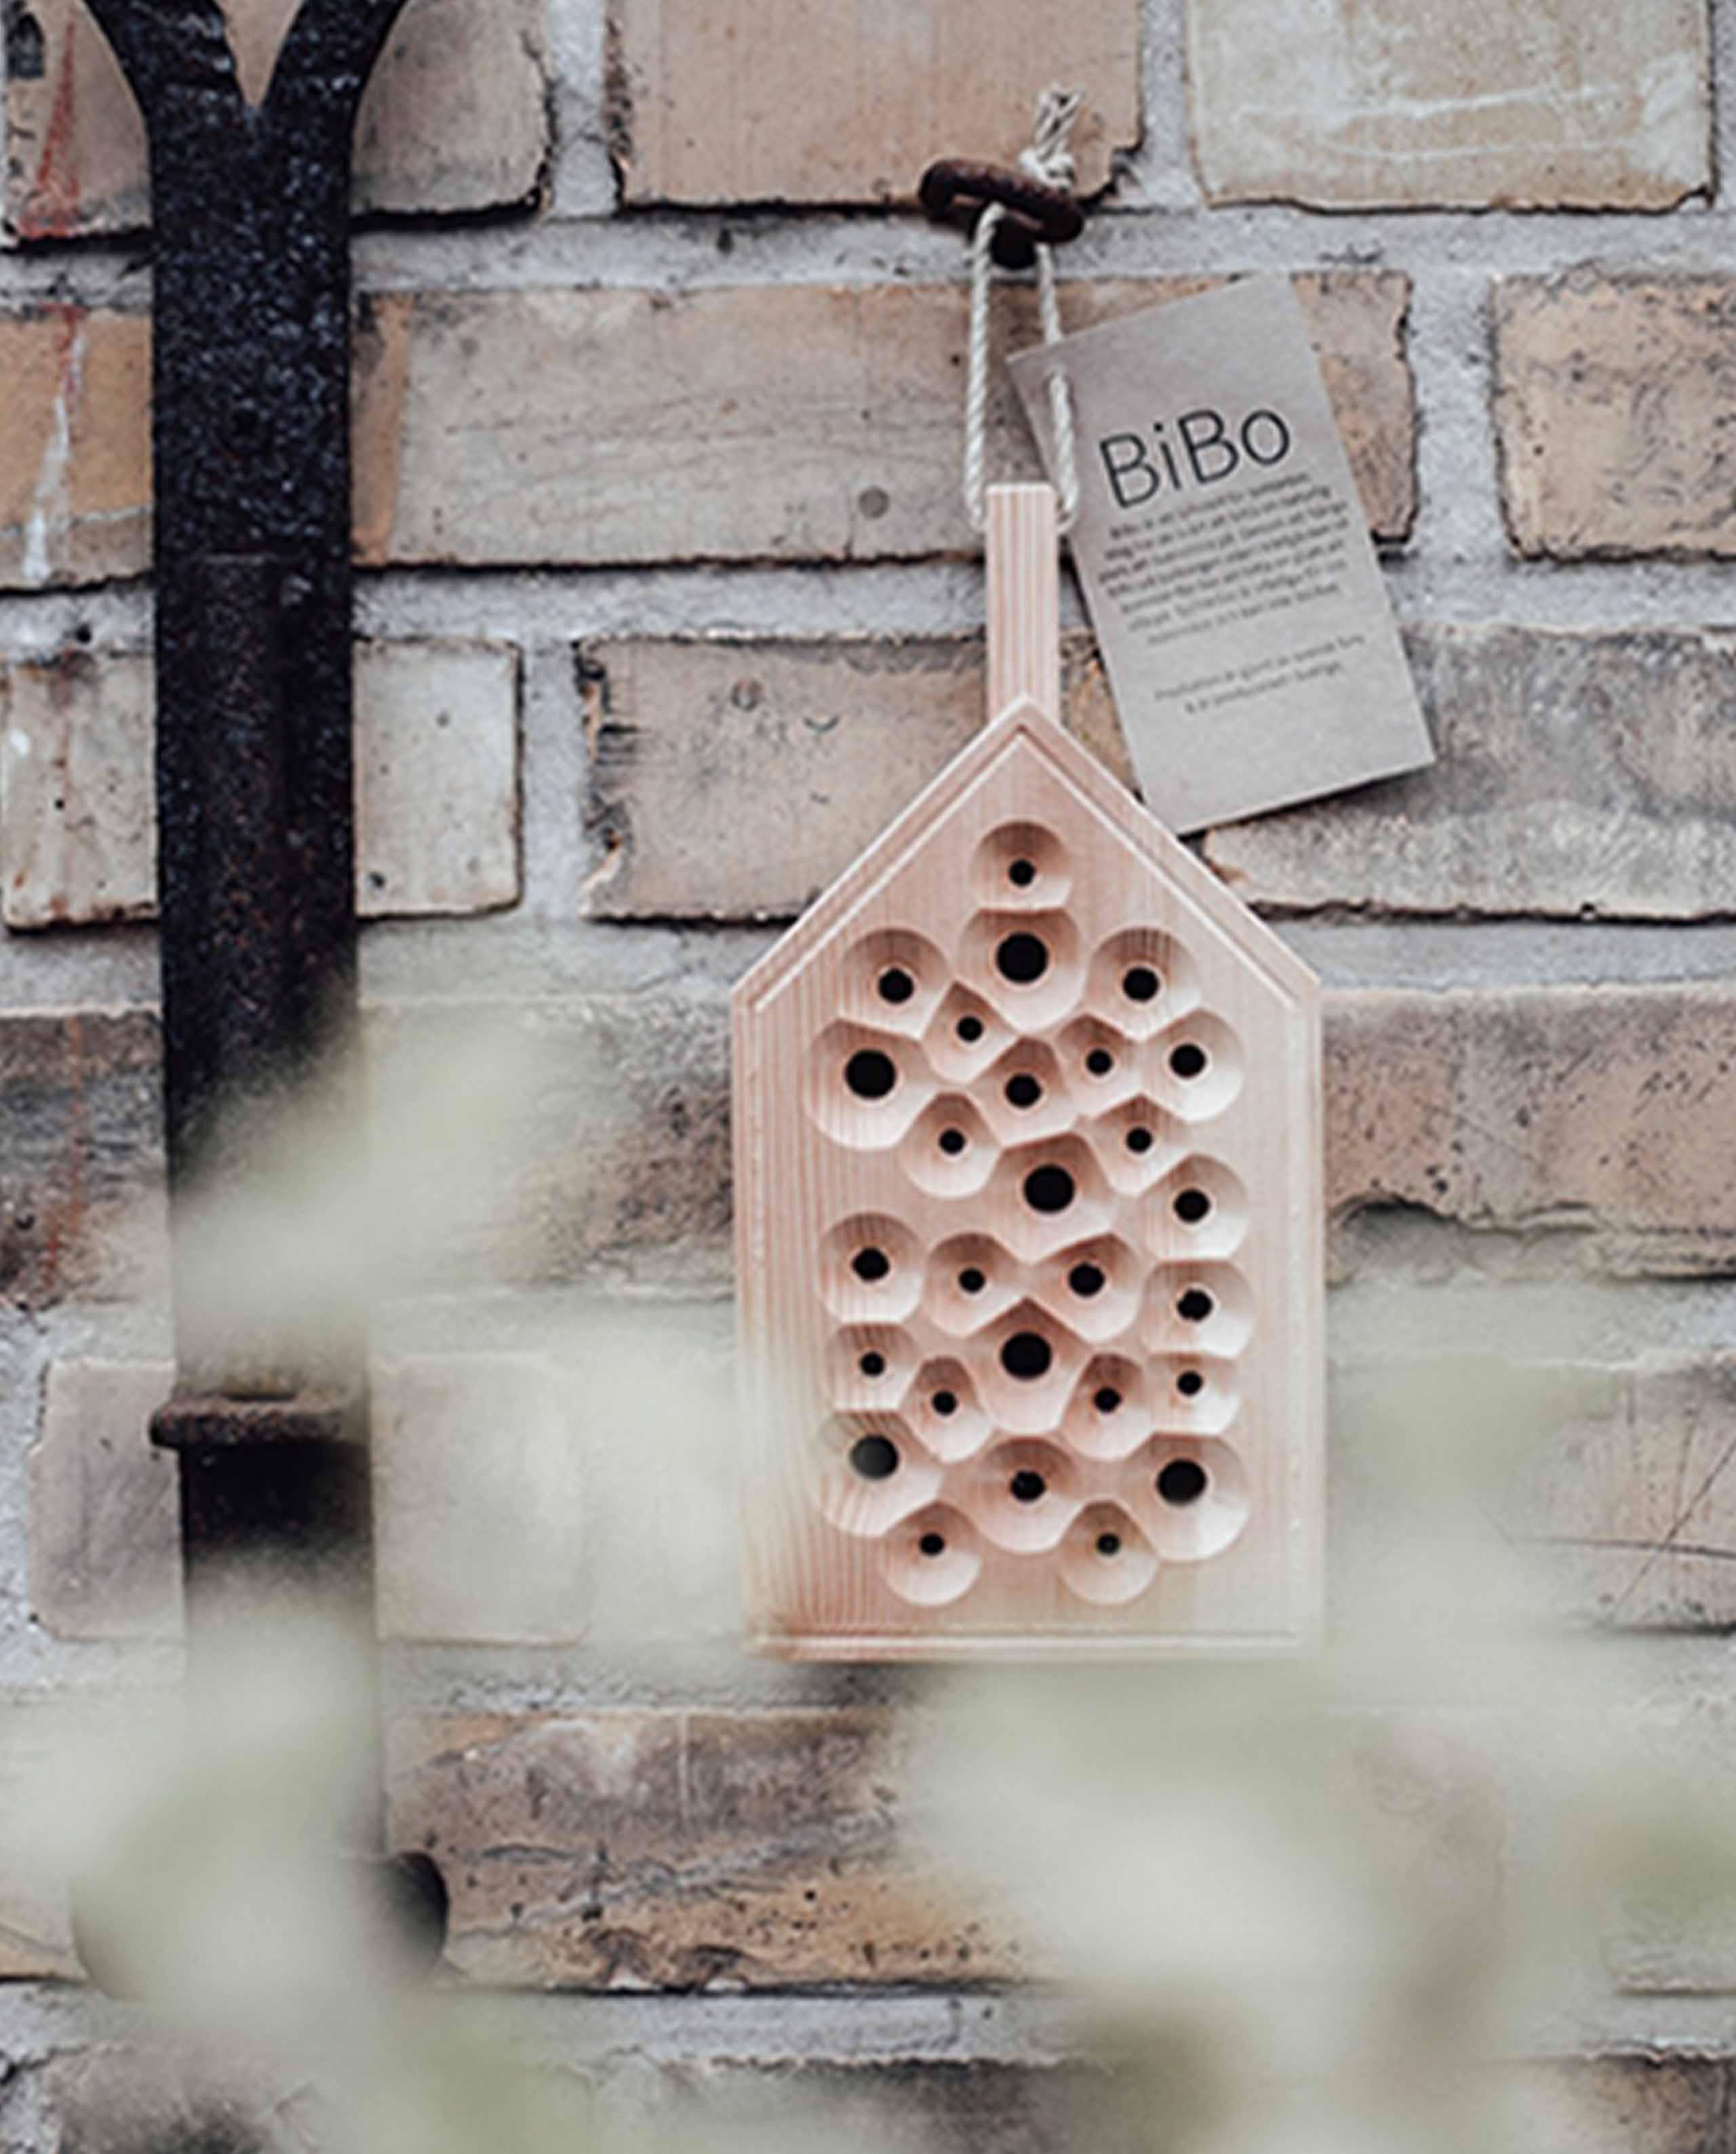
{"x":1049,"y":159}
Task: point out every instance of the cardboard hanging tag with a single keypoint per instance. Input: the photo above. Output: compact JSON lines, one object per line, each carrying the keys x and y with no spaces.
{"x":1225,"y":556}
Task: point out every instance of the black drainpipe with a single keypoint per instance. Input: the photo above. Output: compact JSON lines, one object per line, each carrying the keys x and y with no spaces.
{"x":256,"y":875}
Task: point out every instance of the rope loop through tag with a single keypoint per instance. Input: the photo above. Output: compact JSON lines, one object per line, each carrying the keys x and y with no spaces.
{"x":1049,"y":160}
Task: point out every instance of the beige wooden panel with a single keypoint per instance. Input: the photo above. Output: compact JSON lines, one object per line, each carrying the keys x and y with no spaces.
{"x":794,"y":100}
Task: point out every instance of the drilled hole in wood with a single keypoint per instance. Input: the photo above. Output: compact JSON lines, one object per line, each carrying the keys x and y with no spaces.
{"x":945,"y":1402}
{"x":870,"y":1264}
{"x":1108,"y":1400}
{"x":1189,"y":1383}
{"x":969,"y":1028}
{"x":1022,"y":959}
{"x":1021,"y":873}
{"x":1192,"y":1205}
{"x":932,"y":1545}
{"x":872,"y":1364}
{"x":1195,"y":1306}
{"x":1049,"y":1189}
{"x":953,"y":1141}
{"x":1086,"y":1279}
{"x":1027,"y":1355}
{"x":1182,"y":1481}
{"x":1023,"y":1090}
{"x":1140,"y":984}
{"x":1109,"y":1544}
{"x":874,"y":1456}
{"x":870,"y":1074}
{"x":971,"y":1280}
{"x":1026,"y":1486}
{"x":1139,"y":1138}
{"x":895,"y":985}
{"x":1099,"y":1062}
{"x":1187,"y":1060}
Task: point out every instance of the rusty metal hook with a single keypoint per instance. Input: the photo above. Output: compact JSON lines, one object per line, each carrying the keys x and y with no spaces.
{"x":956,"y":191}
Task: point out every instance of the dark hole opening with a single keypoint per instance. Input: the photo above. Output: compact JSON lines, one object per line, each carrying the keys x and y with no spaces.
{"x":874,"y":1456}
{"x":932,"y":1545}
{"x":897,"y":985}
{"x":869,"y":1074}
{"x":1026,"y":1486}
{"x":969,"y":1029}
{"x":1026,"y":1355}
{"x":945,"y":1402}
{"x":971,"y":1280}
{"x":872,"y":1364}
{"x":1182,"y":1481}
{"x":1195,"y":1306}
{"x":1024,"y":1090}
{"x":1140,"y":984}
{"x":870,"y":1264}
{"x":1139,"y":1138}
{"x":1192,"y":1205}
{"x":1099,"y":1062}
{"x":952,"y":1140}
{"x":1049,"y":1189}
{"x":1189,"y":1383}
{"x":1086,"y":1279}
{"x":1187,"y":1060}
{"x":1022,"y":959}
{"x":1108,"y":1399}
{"x":1109,"y":1544}
{"x":1023,"y":873}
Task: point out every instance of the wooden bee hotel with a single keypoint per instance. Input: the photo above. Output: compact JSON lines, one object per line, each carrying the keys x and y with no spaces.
{"x":1027,"y":1148}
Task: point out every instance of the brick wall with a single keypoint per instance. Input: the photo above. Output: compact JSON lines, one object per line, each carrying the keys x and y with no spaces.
{"x":667,"y":602}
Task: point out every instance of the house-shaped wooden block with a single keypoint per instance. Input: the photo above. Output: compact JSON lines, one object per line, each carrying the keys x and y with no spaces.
{"x":1029,"y":1231}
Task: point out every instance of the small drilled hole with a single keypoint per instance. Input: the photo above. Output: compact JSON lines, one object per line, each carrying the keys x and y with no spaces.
{"x":895,"y":985}
{"x":1140,"y":984}
{"x":969,"y":1029}
{"x":1195,"y":1306}
{"x":1139,"y":1138}
{"x":945,"y":1402}
{"x":1187,"y":1060}
{"x":1026,"y":1355}
{"x":1107,"y":1400}
{"x":1049,"y":1189}
{"x":870,"y":1264}
{"x":932,"y":1545}
{"x":952,"y":1140}
{"x":869,"y":1074}
{"x":1026,"y":1486}
{"x":971,"y":1280}
{"x":1022,"y":959}
{"x":1109,"y":1544}
{"x":1024,"y":1090}
{"x":872,"y":1364}
{"x":1182,"y":1481}
{"x":1189,"y":1383}
{"x":1023,"y":873}
{"x":1099,"y":1062}
{"x":1192,"y":1205}
{"x":1086,"y":1279}
{"x":874,"y":1456}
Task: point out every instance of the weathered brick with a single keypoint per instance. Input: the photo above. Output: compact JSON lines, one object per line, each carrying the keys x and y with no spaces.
{"x":105,"y":1523}
{"x":454,"y":117}
{"x":707,"y":107}
{"x":35,"y":1943}
{"x":1610,"y":400}
{"x":1401,"y":103}
{"x":436,"y":782}
{"x":1622,"y":2105}
{"x":734,"y":780}
{"x":471,"y":445}
{"x":1600,"y":1111}
{"x":1576,"y":774}
{"x":80,"y":1171}
{"x":635,"y":1850}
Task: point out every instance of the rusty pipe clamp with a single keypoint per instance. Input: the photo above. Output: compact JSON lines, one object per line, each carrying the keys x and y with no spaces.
{"x":958,"y":190}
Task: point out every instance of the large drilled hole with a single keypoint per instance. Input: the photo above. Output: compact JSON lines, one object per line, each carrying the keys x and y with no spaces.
{"x":870,"y":1264}
{"x":1139,"y":1138}
{"x":1107,"y":1400}
{"x":1192,"y":1205}
{"x":1022,"y":959}
{"x":1026,"y":1486}
{"x":945,"y":1402}
{"x":1099,"y":1062}
{"x":953,"y":1141}
{"x":1027,"y":1355}
{"x":969,"y":1028}
{"x":1140,"y":984}
{"x":1182,"y":1481}
{"x":1189,"y":1383}
{"x":1049,"y":1189}
{"x":1023,"y":1090}
{"x":971,"y":1280}
{"x":1086,"y":1279}
{"x":895,"y":985}
{"x":870,"y":1074}
{"x":932,"y":1545}
{"x":1195,"y":1306}
{"x":1187,"y":1060}
{"x":1022,"y":874}
{"x":872,"y":1364}
{"x":874,"y":1456}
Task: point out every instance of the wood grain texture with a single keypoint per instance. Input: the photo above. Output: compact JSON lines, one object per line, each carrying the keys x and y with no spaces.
{"x":1028,"y":1220}
{"x":1024,"y":599}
